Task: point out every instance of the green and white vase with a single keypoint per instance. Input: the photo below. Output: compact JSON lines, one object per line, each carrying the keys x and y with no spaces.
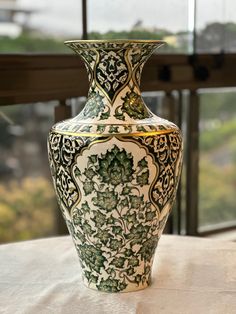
{"x":115,"y":168}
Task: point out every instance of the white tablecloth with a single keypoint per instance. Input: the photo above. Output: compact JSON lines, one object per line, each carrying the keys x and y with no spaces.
{"x":190,"y":275}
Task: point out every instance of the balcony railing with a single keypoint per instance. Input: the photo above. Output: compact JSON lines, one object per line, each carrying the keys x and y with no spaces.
{"x":34,"y":78}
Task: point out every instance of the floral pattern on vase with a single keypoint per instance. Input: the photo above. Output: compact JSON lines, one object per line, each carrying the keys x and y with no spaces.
{"x":112,"y":72}
{"x":120,"y":216}
{"x":122,"y":209}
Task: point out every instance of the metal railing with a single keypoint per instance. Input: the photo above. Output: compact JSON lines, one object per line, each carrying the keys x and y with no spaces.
{"x":34,"y":78}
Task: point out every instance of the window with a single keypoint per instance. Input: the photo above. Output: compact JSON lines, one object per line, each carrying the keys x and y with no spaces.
{"x":27,"y":199}
{"x":138,"y":19}
{"x":217,"y":177}
{"x":42,"y":26}
{"x":39,"y":26}
{"x":216,"y":32}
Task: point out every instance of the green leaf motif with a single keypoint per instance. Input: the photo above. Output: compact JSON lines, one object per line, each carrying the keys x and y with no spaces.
{"x":107,"y":200}
{"x":93,"y":279}
{"x":143,"y":178}
{"x":115,"y":244}
{"x":92,"y":257}
{"x":79,"y":211}
{"x":93,"y":106}
{"x":116,"y":166}
{"x":134,"y":106}
{"x":113,"y":129}
{"x":119,"y":116}
{"x":103,"y":236}
{"x":80,"y":236}
{"x":111,"y":285}
{"x":150,"y":216}
{"x":135,"y":201}
{"x":85,"y":207}
{"x":87,"y":274}
{"x":138,"y":233}
{"x":88,"y":187}
{"x":117,"y":230}
{"x":141,"y":129}
{"x":131,"y":218}
{"x":105,"y":115}
{"x":86,"y":128}
{"x":92,"y":159}
{"x":111,"y":220}
{"x":77,"y":172}
{"x":148,"y":248}
{"x":124,"y":203}
{"x":118,"y":262}
{"x":128,"y":252}
{"x":130,"y":271}
{"x":89,"y":173}
{"x":128,"y":128}
{"x":99,"y":219}
{"x":101,"y":128}
{"x":133,"y":261}
{"x":87,"y":229}
{"x":147,"y":270}
{"x":77,"y":219}
{"x":138,"y":278}
{"x":142,"y":163}
{"x":126,"y":190}
{"x":140,"y":215}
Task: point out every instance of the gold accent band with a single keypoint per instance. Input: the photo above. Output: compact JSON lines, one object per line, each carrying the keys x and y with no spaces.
{"x":115,"y":41}
{"x":117,"y":135}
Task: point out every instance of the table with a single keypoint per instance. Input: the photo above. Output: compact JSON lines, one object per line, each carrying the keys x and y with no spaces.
{"x":190,"y":275}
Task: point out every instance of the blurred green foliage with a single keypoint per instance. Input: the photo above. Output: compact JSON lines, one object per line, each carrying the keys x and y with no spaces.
{"x":28,"y":43}
{"x":217,"y":180}
{"x":141,"y":34}
{"x":132,"y":34}
{"x":218,"y":134}
{"x":26,"y":209}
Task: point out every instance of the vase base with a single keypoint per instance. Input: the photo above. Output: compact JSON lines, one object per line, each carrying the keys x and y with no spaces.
{"x":129,"y":288}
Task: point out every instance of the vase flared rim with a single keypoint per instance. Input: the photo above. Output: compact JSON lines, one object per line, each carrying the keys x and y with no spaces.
{"x":105,"y":43}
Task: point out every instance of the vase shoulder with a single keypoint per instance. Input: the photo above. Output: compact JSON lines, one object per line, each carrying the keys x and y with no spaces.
{"x":75,"y":127}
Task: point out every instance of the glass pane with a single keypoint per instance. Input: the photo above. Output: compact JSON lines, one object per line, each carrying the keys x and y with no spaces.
{"x":216,"y":32}
{"x":148,"y":19}
{"x":38,"y":26}
{"x":27,"y":198}
{"x":217,"y":202}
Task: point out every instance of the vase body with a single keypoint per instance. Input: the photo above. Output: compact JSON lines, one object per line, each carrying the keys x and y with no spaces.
{"x":115,"y":169}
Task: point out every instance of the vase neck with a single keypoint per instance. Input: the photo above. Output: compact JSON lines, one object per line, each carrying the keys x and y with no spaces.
{"x":114,"y":70}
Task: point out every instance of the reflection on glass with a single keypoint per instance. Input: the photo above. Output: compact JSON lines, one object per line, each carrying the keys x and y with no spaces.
{"x":27,"y":199}
{"x":217,"y":201}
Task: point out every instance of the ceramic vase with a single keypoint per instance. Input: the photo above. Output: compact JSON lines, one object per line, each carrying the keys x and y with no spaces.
{"x":115,"y":168}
